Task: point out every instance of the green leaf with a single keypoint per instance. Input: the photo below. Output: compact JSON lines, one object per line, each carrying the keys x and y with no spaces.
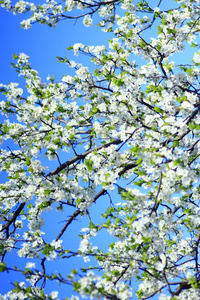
{"x":70,"y":48}
{"x":91,"y":225}
{"x":3,"y":267}
{"x":135,"y":149}
{"x":146,"y":239}
{"x":56,"y":141}
{"x":139,"y":160}
{"x":158,"y":109}
{"x":160,"y":29}
{"x":15,"y":56}
{"x":76,"y":286}
{"x":89,"y":164}
{"x":139,"y":294}
{"x":175,"y":143}
{"x":115,"y":273}
{"x":5,"y":128}
{"x":47,"y":192}
{"x":28,"y":161}
{"x":118,"y":81}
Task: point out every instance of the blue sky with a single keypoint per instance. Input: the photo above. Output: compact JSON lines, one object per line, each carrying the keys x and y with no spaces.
{"x":43,"y":44}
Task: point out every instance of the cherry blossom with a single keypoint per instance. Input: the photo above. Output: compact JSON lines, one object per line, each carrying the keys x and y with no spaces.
{"x":120,"y":133}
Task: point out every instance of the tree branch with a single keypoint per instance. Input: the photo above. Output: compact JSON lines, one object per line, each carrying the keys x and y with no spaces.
{"x":81,"y":156}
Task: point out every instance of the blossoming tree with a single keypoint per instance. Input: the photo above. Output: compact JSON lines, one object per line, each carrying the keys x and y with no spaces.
{"x":125,"y":135}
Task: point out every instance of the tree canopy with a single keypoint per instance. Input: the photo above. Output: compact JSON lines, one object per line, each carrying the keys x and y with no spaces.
{"x":124,"y":136}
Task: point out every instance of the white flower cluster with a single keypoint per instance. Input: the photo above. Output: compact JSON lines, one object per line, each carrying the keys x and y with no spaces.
{"x":131,"y":133}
